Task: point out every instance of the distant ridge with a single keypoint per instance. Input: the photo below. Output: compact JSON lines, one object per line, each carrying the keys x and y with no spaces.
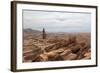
{"x":31,"y":31}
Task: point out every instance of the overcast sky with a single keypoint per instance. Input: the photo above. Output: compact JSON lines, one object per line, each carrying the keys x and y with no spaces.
{"x":57,"y":21}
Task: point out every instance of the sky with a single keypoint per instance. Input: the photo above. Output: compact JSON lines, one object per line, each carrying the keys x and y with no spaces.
{"x":57,"y":21}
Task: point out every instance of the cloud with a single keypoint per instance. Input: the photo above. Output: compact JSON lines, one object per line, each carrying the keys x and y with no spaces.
{"x":57,"y":21}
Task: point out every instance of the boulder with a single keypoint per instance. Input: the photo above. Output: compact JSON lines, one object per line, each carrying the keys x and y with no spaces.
{"x":70,"y":56}
{"x":66,"y":52}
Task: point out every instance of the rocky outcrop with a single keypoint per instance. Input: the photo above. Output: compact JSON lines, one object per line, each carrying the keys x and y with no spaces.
{"x":72,"y":48}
